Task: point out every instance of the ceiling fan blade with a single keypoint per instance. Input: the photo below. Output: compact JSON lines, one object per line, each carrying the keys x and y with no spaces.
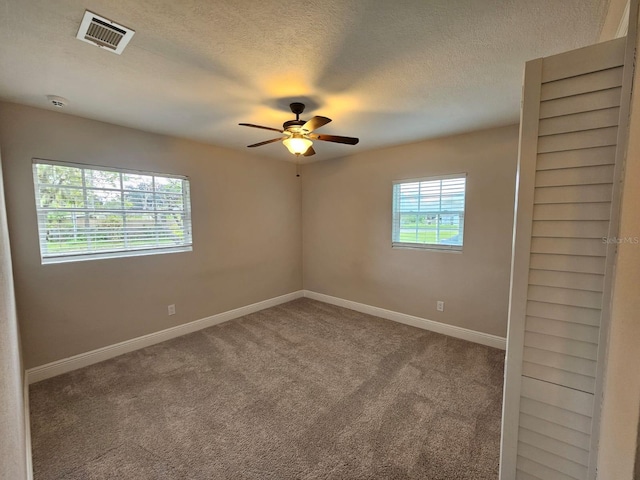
{"x":260,"y":126}
{"x":335,"y":139}
{"x":314,"y":123}
{"x":266,"y":142}
{"x":310,"y":151}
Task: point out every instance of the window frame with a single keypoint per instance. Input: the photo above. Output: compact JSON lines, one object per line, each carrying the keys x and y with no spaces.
{"x":66,"y":257}
{"x":426,"y":246}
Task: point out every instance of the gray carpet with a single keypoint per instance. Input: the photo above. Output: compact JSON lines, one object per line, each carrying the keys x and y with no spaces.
{"x":304,"y":390}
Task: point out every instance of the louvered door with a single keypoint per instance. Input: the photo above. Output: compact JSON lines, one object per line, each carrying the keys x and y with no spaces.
{"x":567,"y":188}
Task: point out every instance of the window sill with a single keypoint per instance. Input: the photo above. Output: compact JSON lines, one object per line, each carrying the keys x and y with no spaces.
{"x":428,"y":247}
{"x":104,"y":255}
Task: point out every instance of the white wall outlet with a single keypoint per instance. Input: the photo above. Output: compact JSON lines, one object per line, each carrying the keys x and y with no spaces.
{"x":171,"y":309}
{"x":440,"y":306}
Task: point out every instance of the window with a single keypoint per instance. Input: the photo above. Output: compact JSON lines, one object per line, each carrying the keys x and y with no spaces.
{"x":87,"y":212}
{"x":429,"y":212}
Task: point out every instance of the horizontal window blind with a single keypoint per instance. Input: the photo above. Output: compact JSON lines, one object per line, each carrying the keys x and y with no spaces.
{"x":96,"y":212}
{"x":429,"y":212}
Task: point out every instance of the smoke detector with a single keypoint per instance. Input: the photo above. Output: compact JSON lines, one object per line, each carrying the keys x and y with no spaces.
{"x":58,"y":102}
{"x":104,"y":33}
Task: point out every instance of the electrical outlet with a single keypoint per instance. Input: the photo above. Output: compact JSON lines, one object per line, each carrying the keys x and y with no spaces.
{"x":171,"y":309}
{"x":440,"y":305}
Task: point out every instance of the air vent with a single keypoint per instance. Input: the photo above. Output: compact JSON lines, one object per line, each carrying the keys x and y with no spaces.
{"x":104,"y":33}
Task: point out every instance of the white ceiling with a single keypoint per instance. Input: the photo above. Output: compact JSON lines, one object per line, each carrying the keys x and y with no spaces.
{"x":387,"y":71}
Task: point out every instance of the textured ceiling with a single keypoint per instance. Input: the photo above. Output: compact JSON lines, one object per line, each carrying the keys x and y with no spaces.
{"x":386,"y":71}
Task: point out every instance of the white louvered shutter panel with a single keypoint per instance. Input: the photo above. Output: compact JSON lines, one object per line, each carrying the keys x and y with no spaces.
{"x":566,"y":210}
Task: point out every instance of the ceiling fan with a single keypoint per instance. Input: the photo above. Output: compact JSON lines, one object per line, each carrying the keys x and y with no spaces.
{"x":297,"y":134}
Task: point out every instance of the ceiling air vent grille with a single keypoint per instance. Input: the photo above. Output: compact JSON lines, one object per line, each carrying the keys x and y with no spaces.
{"x":104,"y":33}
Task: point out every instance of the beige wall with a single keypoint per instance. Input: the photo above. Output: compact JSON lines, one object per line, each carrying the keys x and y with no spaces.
{"x":346,"y":207}
{"x":619,"y":426}
{"x":614,"y":19}
{"x":12,"y":416}
{"x":246,"y":234}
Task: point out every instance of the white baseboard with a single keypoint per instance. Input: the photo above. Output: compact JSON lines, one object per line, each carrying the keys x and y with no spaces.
{"x":27,"y":427}
{"x":65,"y":365}
{"x":451,"y":330}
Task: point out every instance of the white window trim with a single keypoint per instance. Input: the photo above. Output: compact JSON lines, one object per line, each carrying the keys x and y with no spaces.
{"x":130,"y":252}
{"x":431,"y":178}
{"x":428,"y":246}
{"x":107,"y":168}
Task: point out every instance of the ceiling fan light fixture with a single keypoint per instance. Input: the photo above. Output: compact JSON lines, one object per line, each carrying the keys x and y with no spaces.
{"x":297,"y":144}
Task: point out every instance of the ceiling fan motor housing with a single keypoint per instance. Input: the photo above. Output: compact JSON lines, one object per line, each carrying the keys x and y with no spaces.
{"x":293,"y":123}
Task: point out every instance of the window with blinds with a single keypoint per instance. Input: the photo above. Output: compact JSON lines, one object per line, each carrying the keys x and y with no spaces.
{"x":429,"y":212}
{"x":88,"y":212}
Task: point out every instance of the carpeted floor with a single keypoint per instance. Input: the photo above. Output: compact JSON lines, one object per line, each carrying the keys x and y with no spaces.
{"x":305,"y":390}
